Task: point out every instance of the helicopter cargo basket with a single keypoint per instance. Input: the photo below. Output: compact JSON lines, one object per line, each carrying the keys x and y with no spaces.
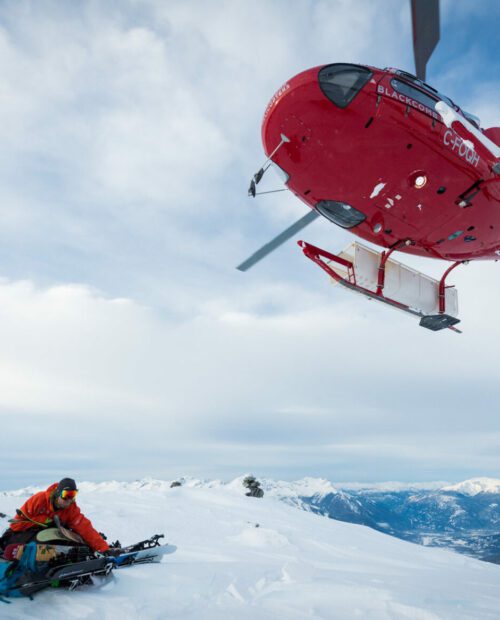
{"x":373,"y":274}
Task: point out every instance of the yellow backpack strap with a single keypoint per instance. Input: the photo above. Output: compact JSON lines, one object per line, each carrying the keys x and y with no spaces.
{"x":24,"y":517}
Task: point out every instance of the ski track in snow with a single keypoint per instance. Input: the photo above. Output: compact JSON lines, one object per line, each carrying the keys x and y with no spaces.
{"x":294,"y":565}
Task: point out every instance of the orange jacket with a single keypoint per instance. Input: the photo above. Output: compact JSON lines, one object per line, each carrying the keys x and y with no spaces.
{"x":40,"y":509}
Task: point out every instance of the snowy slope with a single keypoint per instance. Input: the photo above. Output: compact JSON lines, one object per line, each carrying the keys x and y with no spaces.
{"x":294,"y":565}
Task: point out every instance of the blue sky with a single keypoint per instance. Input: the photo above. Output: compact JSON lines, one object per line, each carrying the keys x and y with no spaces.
{"x":130,"y":344}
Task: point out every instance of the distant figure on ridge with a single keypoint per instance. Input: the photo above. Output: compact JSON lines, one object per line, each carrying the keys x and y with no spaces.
{"x":253,"y":487}
{"x":54,"y":507}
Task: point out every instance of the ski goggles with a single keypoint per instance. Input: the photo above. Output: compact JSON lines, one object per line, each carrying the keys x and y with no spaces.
{"x":69,"y":494}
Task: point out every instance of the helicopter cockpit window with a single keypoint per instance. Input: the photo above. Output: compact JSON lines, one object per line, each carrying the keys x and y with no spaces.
{"x":427,"y":87}
{"x":340,"y":213}
{"x":414,"y":93}
{"x":341,"y":82}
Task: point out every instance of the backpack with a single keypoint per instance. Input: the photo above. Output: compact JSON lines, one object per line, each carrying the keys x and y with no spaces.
{"x":12,"y":572}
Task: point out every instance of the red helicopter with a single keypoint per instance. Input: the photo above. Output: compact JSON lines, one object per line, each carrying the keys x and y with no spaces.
{"x":385,"y":155}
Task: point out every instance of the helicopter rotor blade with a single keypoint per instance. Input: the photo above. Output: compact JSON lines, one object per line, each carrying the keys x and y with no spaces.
{"x":425,"y":23}
{"x":279,"y":240}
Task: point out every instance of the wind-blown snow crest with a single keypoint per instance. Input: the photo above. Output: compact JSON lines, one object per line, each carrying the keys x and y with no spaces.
{"x":259,"y":559}
{"x":475,"y":486}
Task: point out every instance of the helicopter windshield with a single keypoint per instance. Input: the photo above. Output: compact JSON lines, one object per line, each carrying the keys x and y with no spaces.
{"x":342,"y":82}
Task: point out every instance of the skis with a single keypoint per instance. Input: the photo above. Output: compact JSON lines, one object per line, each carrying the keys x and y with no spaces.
{"x":70,"y":575}
{"x":143,"y":552}
{"x":143,"y":556}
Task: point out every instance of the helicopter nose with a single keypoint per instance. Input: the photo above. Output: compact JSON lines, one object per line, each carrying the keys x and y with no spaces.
{"x":286,"y":114}
{"x":286,"y":139}
{"x":295,"y":129}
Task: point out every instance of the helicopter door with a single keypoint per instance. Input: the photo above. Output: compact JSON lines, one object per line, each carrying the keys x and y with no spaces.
{"x":408,"y":102}
{"x":410,"y":135}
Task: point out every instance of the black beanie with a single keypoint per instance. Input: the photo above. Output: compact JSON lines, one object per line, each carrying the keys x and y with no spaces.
{"x":66,"y":483}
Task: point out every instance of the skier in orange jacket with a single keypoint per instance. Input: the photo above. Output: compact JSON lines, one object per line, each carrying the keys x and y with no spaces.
{"x":48,"y":508}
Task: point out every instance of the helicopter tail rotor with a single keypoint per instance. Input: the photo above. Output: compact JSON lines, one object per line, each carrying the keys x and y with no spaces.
{"x":425,"y":23}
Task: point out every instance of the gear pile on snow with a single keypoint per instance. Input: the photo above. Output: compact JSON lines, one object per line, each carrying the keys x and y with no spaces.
{"x":31,"y":567}
{"x":253,"y":487}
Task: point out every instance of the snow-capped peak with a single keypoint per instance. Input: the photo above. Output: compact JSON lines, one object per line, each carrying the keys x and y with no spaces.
{"x":305,"y":487}
{"x":475,"y":486}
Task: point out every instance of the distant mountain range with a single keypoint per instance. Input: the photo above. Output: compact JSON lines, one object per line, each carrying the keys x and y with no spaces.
{"x":464,"y":517}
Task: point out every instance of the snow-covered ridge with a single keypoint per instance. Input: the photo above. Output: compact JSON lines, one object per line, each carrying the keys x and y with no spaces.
{"x":390,"y":486}
{"x":475,"y":486}
{"x":305,"y":487}
{"x":144,"y":484}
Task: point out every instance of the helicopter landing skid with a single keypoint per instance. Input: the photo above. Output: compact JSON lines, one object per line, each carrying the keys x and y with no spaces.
{"x":344,"y":273}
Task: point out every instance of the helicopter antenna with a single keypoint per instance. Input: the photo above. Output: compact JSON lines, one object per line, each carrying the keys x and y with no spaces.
{"x":425,"y":23}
